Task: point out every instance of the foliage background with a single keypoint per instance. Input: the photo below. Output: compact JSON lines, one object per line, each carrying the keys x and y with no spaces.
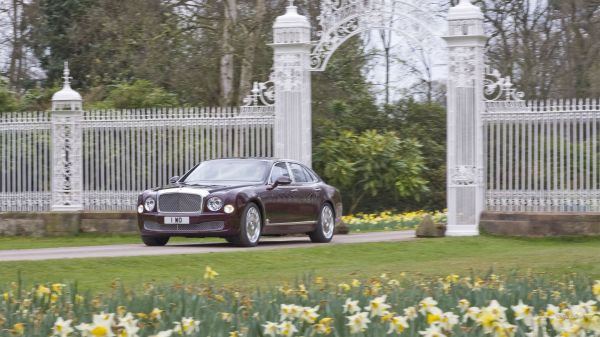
{"x":143,"y":53}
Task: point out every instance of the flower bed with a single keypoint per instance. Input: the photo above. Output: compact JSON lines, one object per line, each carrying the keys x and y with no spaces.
{"x":388,"y":221}
{"x":380,"y":306}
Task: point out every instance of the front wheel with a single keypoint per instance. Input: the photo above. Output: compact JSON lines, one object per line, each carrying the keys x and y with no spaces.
{"x":250,"y":227}
{"x":323,"y":233}
{"x":152,"y":241}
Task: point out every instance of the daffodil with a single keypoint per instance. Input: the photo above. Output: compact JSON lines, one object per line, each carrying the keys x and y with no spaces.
{"x":410,"y":313}
{"x":226,"y":316}
{"x":19,"y":329}
{"x":448,"y":320}
{"x":289,"y":312}
{"x":309,"y":315}
{"x":156,"y":313}
{"x":426,"y":304}
{"x":287,"y":329}
{"x":350,"y":306}
{"x":356,"y":283}
{"x":434,"y":315}
{"x":324,"y":326}
{"x":62,"y":328}
{"x":166,"y":333}
{"x":345,"y":287}
{"x":358,"y":322}
{"x":234,"y":334}
{"x":271,"y":329}
{"x":58,"y":287}
{"x":209,"y":273}
{"x":378,"y":306}
{"x":398,"y":324}
{"x":432,"y":331}
{"x":101,"y":326}
{"x":189,"y":326}
{"x":42,"y":291}
{"x":463,"y":305}
{"x":523,"y":312}
{"x":596,"y":289}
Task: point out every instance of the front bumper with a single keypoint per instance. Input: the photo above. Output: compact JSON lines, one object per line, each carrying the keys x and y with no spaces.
{"x":200,"y":225}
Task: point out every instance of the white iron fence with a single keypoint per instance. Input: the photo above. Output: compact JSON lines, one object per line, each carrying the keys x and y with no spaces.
{"x":543,"y":156}
{"x":25,"y":165}
{"x":125,"y":151}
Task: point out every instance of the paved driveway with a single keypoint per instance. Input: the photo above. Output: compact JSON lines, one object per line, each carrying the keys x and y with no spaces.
{"x":141,"y":250}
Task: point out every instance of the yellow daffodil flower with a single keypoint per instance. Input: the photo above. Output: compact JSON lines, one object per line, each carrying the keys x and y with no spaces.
{"x":209,"y":273}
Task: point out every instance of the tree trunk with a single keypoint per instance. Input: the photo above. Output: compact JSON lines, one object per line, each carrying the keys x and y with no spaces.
{"x":15,"y":69}
{"x":252,"y":41}
{"x":227,"y":66}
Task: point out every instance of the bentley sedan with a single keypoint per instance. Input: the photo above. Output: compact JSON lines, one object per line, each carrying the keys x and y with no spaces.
{"x":240,"y":200}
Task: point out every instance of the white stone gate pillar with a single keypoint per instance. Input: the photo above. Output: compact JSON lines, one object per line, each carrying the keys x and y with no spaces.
{"x":292,"y":46}
{"x":67,"y":180}
{"x":465,"y":177}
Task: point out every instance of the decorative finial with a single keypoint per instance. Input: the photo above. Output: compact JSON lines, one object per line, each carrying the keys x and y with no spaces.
{"x":66,"y":74}
{"x":465,"y":2}
{"x":291,"y":3}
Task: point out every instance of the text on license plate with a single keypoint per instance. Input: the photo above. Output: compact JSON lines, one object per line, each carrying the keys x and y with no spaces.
{"x":177,"y":220}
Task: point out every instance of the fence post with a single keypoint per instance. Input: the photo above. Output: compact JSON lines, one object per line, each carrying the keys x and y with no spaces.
{"x":293,"y":129}
{"x":465,"y":177}
{"x":67,"y":115}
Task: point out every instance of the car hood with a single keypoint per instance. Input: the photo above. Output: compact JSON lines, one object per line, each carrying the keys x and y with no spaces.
{"x":205,"y":188}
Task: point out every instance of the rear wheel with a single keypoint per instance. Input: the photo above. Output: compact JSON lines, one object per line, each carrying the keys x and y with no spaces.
{"x":323,"y":233}
{"x":250,"y":227}
{"x":153,"y":241}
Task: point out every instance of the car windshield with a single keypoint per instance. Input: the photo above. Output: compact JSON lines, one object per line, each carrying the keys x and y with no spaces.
{"x":228,"y":170}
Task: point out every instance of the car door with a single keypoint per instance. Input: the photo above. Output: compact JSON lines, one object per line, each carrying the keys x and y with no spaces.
{"x":307,"y":193}
{"x":278,"y":201}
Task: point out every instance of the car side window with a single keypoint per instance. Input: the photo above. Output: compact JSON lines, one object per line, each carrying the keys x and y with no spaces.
{"x":279,"y":170}
{"x":299,"y":173}
{"x":311,"y":177}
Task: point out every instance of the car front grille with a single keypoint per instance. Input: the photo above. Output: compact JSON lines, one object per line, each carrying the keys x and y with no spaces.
{"x":202,"y":227}
{"x":179,"y":203}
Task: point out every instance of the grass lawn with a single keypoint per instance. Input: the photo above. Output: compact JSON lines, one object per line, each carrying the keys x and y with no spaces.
{"x":21,"y":242}
{"x":433,"y":257}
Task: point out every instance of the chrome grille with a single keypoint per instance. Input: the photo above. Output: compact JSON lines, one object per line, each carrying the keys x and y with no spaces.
{"x":179,"y":203}
{"x":202,"y":227}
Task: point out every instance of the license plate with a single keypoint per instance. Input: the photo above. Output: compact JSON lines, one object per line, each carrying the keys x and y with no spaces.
{"x":177,"y":220}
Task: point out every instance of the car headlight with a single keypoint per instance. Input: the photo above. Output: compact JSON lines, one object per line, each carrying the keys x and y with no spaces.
{"x":141,"y":209}
{"x":214,"y":204}
{"x":149,"y":204}
{"x":229,"y":209}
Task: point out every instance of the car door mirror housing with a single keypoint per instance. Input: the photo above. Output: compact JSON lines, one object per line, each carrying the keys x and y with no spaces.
{"x":174,"y":179}
{"x":281,"y":181}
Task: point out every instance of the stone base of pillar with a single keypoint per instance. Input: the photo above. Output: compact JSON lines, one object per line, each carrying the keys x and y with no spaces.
{"x":462,"y":230}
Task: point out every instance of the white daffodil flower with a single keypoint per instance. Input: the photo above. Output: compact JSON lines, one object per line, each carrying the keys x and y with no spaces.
{"x":358,"y":322}
{"x":62,"y":328}
{"x":351,"y":307}
{"x":377,"y":306}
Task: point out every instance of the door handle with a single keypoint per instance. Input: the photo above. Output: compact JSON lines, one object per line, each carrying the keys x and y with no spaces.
{"x":317,"y":189}
{"x":294,"y":190}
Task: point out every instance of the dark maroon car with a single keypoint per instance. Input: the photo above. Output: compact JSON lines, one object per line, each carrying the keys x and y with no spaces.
{"x":240,"y":200}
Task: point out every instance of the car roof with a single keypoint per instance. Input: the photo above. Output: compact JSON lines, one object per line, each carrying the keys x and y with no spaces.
{"x":273,"y":160}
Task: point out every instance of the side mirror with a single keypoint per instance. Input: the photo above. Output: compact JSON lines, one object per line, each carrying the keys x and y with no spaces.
{"x":174,"y":179}
{"x":281,"y":181}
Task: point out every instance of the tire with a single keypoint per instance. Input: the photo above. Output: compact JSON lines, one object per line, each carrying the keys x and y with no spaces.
{"x":154,"y":241}
{"x":250,"y":227}
{"x":323,"y":233}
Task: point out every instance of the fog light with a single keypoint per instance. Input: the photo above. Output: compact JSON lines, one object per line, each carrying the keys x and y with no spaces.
{"x":229,"y":209}
{"x":141,"y":209}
